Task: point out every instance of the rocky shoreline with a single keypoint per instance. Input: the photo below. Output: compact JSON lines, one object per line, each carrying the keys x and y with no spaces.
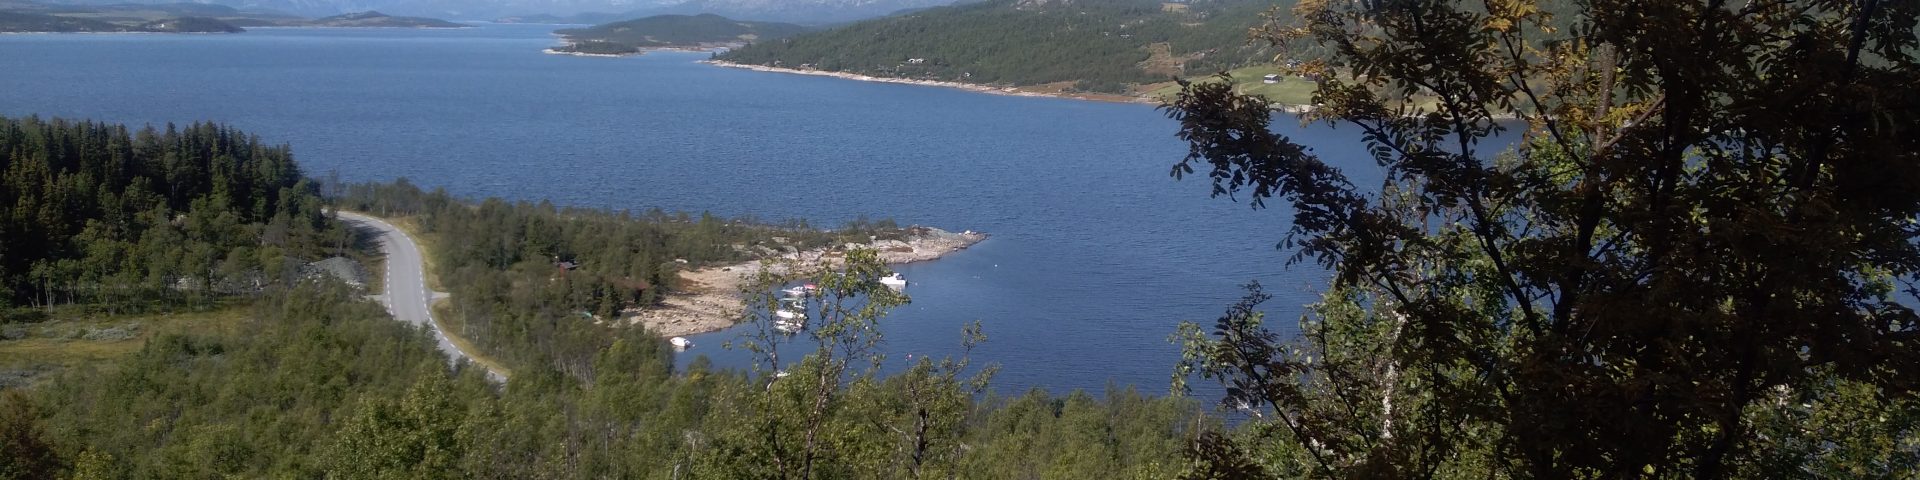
{"x":710,"y":297}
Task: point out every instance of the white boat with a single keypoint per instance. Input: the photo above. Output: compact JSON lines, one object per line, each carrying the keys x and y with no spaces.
{"x":789,"y":326}
{"x":791,"y":309}
{"x":895,"y":281}
{"x":680,"y":343}
{"x":795,"y":292}
{"x":791,"y":316}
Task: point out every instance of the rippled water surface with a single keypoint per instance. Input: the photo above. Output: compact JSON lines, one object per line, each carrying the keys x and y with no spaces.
{"x":1096,"y":253}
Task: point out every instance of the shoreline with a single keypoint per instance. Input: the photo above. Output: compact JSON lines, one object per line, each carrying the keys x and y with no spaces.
{"x":711,"y":299}
{"x":1292,"y":109}
{"x":551,"y":51}
{"x":123,"y":33}
{"x":971,"y":87}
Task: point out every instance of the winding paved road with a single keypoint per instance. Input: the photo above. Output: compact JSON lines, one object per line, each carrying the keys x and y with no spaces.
{"x":406,"y":295}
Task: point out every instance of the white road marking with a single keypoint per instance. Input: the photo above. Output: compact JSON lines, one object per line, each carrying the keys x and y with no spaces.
{"x":410,"y":309}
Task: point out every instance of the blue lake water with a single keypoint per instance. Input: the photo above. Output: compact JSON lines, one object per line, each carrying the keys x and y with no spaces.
{"x":1096,"y":253}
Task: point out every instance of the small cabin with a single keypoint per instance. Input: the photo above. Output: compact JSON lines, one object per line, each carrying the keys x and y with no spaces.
{"x":1270,"y":78}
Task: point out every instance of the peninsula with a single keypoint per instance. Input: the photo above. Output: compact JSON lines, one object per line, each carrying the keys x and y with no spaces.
{"x":710,"y":298}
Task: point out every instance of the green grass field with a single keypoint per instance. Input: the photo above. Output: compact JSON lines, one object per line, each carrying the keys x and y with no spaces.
{"x":31,"y":352}
{"x":1289,"y":91}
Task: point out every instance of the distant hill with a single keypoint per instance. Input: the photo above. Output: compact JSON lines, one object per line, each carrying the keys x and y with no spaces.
{"x":26,"y":16}
{"x":1107,"y":46}
{"x":93,"y":22}
{"x":814,"y":12}
{"x":671,"y":31}
{"x":550,"y":19}
{"x":455,"y":9}
{"x":190,"y":25}
{"x":18,"y":22}
{"x":250,"y":13}
{"x":378,"y":20}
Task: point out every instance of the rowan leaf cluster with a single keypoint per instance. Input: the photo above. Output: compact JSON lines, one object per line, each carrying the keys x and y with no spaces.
{"x":1705,"y":228}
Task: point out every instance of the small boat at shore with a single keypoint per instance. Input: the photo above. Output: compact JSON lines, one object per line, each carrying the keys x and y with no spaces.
{"x":790,"y":309}
{"x":680,"y":343}
{"x":894,"y":281}
{"x":791,"y":315}
{"x":796,"y":292}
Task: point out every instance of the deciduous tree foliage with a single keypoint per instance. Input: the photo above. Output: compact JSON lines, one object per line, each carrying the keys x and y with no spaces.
{"x":319,"y":383}
{"x":1697,"y":262}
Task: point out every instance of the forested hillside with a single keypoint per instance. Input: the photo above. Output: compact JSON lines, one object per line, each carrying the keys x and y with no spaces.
{"x":1103,"y":46}
{"x":100,"y":214}
{"x":680,"y":31}
{"x":314,"y":380}
{"x":809,"y":12}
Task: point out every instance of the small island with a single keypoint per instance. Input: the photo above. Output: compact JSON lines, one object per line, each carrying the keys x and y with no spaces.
{"x":668,"y":32}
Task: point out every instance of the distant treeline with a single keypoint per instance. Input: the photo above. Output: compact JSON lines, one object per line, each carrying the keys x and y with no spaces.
{"x":102,"y":215}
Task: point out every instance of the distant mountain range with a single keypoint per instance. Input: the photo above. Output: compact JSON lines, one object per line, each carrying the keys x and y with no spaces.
{"x":377,"y":19}
{"x":593,"y":11}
